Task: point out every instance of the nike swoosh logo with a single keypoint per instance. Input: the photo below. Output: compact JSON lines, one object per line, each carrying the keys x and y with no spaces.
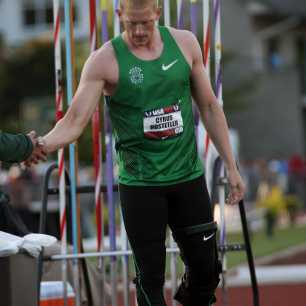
{"x":208,"y":237}
{"x":167,"y":67}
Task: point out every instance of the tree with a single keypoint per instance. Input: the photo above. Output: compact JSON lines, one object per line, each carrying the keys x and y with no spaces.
{"x":25,"y":72}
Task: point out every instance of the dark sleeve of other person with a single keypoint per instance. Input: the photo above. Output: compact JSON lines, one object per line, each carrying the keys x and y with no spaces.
{"x":15,"y":148}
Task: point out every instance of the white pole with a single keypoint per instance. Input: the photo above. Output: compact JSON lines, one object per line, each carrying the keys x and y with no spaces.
{"x":61,"y":161}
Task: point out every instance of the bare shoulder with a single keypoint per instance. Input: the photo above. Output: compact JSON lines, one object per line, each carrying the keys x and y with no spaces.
{"x":187,"y":41}
{"x":106,"y":52}
{"x":101,"y":62}
{"x":184,"y":37}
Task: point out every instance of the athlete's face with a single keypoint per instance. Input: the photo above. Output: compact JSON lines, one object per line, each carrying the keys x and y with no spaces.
{"x":139,"y":24}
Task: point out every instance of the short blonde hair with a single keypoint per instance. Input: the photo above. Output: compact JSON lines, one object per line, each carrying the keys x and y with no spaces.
{"x":138,"y":3}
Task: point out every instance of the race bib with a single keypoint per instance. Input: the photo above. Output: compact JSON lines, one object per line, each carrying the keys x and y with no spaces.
{"x":163,"y":123}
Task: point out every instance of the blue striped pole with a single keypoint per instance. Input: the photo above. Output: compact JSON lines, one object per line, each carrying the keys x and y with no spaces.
{"x":72,"y":151}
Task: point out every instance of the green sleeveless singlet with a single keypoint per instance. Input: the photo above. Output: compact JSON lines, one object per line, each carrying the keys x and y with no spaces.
{"x":151,"y":114}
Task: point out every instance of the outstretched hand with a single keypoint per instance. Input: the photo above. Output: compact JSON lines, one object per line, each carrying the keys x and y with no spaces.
{"x":39,"y":153}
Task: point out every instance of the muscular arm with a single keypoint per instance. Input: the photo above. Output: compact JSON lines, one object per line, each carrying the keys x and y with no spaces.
{"x":211,"y":112}
{"x":214,"y":120}
{"x":89,"y":91}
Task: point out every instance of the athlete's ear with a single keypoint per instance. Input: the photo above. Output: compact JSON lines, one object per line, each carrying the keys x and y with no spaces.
{"x":158,"y":13}
{"x":119,"y":12}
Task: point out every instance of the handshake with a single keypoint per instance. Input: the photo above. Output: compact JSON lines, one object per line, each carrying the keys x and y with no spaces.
{"x":39,"y":152}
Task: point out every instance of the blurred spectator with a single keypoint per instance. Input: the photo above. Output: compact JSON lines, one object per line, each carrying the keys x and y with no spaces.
{"x":296,"y":172}
{"x":279,"y":169}
{"x":293,"y":206}
{"x":272,"y":199}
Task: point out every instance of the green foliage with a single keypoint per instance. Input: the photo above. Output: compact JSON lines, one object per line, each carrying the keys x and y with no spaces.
{"x":25,"y":72}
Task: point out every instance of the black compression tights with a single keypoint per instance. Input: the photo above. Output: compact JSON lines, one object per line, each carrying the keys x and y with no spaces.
{"x":146,"y":212}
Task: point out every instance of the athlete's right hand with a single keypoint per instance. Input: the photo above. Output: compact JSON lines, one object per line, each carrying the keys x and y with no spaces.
{"x":237,"y":187}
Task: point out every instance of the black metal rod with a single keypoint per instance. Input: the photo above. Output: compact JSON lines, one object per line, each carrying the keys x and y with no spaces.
{"x":42,"y":221}
{"x":81,"y":189}
{"x":231,"y":248}
{"x":45,"y":193}
{"x":249,"y":253}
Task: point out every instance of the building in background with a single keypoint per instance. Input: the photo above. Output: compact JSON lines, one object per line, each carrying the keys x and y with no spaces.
{"x":21,"y":20}
{"x":269,"y":38}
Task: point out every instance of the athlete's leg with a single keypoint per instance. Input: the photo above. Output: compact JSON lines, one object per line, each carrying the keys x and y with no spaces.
{"x":191,"y":221}
{"x":145,"y":216}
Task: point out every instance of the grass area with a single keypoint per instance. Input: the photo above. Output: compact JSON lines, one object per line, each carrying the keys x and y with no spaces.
{"x":263,"y":246}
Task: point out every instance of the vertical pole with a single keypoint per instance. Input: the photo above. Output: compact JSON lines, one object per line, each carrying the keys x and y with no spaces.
{"x":72,"y":151}
{"x":97,"y":152}
{"x":218,"y":51}
{"x":59,"y":114}
{"x":116,"y":18}
{"x":110,"y":176}
{"x":173,"y":268}
{"x":180,"y":14}
{"x":207,"y":35}
{"x":110,"y":201}
{"x":124,"y":240}
{"x":249,"y":253}
{"x":96,"y":134}
{"x":173,"y":260}
{"x":125,"y":266}
{"x":74,"y":86}
{"x":222,"y":240}
{"x":167,"y":20}
{"x":194,"y":25}
{"x":210,"y":151}
{"x":206,"y":54}
{"x":219,"y":94}
{"x":194,"y":16}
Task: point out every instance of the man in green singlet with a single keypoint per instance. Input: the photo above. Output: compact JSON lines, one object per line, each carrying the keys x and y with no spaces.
{"x":151,"y":73}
